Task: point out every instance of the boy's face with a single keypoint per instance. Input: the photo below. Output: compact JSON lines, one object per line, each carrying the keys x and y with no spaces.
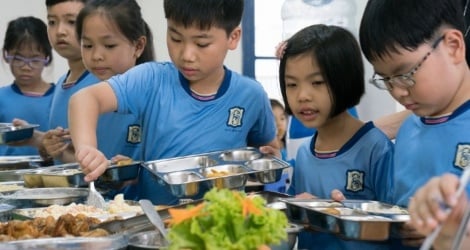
{"x":199,"y":54}
{"x":435,"y":83}
{"x":61,"y":28}
{"x":105,"y":50}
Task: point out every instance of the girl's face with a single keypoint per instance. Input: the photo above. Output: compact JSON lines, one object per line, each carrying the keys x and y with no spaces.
{"x":61,"y":28}
{"x":26,"y":73}
{"x":307,"y":91}
{"x":281,"y":121}
{"x":105,"y":50}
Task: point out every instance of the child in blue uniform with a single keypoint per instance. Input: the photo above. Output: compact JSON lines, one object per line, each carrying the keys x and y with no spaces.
{"x":421,"y":62}
{"x":321,"y":76}
{"x":113,"y":37}
{"x":27,"y":50}
{"x":190,"y":106}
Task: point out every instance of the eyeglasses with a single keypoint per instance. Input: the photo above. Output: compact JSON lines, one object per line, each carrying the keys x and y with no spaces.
{"x":405,"y":80}
{"x":19,"y":61}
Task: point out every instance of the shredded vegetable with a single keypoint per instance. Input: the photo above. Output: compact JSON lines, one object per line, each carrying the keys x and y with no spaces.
{"x":226,"y":220}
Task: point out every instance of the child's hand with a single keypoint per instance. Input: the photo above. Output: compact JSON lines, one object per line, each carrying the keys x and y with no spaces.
{"x":280,"y":49}
{"x":92,"y":162}
{"x":305,"y":195}
{"x":427,"y":207}
{"x":56,"y":141}
{"x":337,"y":195}
{"x":271,"y":151}
{"x":34,"y":141}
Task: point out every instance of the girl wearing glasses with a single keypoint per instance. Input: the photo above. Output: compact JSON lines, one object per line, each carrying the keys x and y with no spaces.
{"x":27,"y":50}
{"x":321,"y":76}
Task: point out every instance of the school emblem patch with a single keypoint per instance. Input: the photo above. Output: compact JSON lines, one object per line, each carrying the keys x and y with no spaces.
{"x":355,"y":181}
{"x":134,"y":134}
{"x":462,"y":156}
{"x":235,"y":117}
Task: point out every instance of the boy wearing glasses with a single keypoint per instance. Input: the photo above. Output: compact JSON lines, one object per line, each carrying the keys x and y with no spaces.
{"x":421,"y":61}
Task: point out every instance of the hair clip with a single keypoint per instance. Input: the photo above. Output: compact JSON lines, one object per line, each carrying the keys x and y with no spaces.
{"x":281,"y":49}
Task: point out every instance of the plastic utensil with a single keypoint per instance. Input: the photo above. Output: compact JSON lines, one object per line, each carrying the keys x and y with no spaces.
{"x":464,"y":178}
{"x":95,"y":198}
{"x":154,"y":217}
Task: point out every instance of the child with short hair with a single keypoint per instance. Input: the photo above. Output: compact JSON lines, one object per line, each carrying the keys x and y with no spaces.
{"x":27,"y":50}
{"x":420,"y":60}
{"x":114,"y":37}
{"x":321,"y":76}
{"x":190,"y":106}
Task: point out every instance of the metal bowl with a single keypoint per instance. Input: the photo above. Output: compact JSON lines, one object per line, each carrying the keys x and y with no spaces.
{"x":226,"y":176}
{"x":35,"y":197}
{"x":240,"y":155}
{"x":267,"y":170}
{"x":183,"y":183}
{"x":288,"y":244}
{"x":146,"y":240}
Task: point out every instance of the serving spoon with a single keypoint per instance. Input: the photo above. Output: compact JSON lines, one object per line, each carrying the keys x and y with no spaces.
{"x":154,"y":217}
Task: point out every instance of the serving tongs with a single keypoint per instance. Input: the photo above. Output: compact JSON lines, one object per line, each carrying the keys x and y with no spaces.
{"x":464,"y":178}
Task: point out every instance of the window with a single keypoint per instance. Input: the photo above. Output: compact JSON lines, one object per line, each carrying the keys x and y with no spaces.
{"x":262,"y":31}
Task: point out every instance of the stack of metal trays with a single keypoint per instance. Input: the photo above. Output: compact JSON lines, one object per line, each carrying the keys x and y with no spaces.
{"x":351,"y":219}
{"x":9,"y":165}
{"x":39,"y":197}
{"x":222,"y":169}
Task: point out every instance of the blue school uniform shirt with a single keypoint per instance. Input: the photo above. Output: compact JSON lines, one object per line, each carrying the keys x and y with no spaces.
{"x":177,"y":124}
{"x":116,"y":133}
{"x":361,"y":169}
{"x":428,"y":147}
{"x":31,"y":108}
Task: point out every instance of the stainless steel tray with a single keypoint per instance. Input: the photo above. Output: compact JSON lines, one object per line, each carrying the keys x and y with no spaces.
{"x":70,"y":175}
{"x":10,"y":164}
{"x":10,"y":133}
{"x":359,"y":220}
{"x":223,"y":169}
{"x":37,"y":197}
{"x":112,"y":242}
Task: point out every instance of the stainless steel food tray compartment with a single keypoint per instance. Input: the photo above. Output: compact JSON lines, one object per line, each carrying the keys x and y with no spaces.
{"x":10,"y":133}
{"x":223,"y":169}
{"x":71,"y":175}
{"x":66,"y":175}
{"x":37,"y":197}
{"x":348,"y":219}
{"x":116,"y":174}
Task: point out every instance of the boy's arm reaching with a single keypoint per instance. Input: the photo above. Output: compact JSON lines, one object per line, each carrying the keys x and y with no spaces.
{"x":85,"y":106}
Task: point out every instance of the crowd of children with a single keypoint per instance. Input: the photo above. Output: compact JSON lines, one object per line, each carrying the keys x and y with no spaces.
{"x":116,"y":101}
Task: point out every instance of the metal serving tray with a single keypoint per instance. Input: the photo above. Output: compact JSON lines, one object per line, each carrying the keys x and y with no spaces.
{"x":112,"y":242}
{"x":10,"y":164}
{"x":10,"y":133}
{"x":223,"y":169}
{"x":359,"y":220}
{"x":38,"y":197}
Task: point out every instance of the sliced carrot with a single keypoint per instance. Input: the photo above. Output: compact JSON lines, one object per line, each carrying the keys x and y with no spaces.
{"x":179,"y":215}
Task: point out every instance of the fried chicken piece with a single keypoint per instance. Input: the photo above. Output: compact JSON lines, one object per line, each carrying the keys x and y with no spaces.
{"x":95,"y":233}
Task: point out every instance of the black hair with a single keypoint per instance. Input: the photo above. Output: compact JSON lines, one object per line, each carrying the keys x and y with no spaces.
{"x":388,"y":25}
{"x":339,"y":58}
{"x":127,"y":16}
{"x":28,"y":31}
{"x":50,"y":3}
{"x":225,"y":14}
{"x":276,"y":103}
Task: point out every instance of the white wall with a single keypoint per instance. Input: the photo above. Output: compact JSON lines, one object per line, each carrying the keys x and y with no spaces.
{"x":376,"y":103}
